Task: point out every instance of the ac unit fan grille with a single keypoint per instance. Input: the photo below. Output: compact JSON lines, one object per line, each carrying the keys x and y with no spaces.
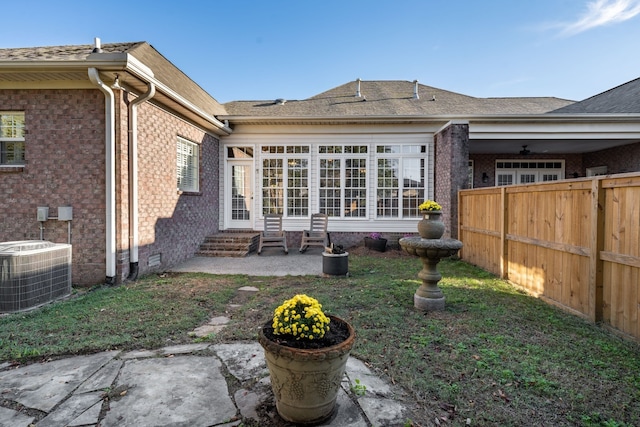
{"x":33,"y":274}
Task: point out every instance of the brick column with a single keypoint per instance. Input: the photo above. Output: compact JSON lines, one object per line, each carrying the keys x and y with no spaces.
{"x":451,"y":170}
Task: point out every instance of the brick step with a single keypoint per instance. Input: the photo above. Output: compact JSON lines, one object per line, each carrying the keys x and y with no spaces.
{"x":232,"y":237}
{"x":230,"y":244}
{"x":225,"y":246}
{"x":222,"y":254}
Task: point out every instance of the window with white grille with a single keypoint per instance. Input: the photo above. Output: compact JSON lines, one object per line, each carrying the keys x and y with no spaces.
{"x":401,"y":180}
{"x":510,"y":172}
{"x":11,"y":138}
{"x":188,"y":165}
{"x":343,"y":180}
{"x":285,"y":179}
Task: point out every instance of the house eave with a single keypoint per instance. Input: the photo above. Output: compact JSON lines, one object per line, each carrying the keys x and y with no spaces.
{"x":431,"y":119}
{"x":334,"y":120}
{"x":108,"y":64}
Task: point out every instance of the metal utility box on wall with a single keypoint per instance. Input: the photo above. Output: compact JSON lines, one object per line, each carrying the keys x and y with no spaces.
{"x":43,"y":213}
{"x":65,"y":213}
{"x":32,"y":273}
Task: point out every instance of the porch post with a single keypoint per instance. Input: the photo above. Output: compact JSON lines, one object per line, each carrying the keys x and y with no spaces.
{"x":451,"y":170}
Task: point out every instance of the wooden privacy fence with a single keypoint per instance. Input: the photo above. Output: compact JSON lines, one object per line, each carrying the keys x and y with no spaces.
{"x":574,"y":243}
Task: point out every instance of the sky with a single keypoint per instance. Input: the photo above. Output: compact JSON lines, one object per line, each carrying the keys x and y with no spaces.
{"x":264,"y":50}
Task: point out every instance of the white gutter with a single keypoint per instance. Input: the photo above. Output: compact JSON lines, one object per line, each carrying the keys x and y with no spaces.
{"x":116,"y":62}
{"x":136,"y":68}
{"x":175,"y":96}
{"x":110,"y":180}
{"x":133,"y":180}
{"x":443,"y":118}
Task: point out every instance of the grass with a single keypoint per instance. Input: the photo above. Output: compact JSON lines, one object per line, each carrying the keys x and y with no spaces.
{"x":494,"y":356}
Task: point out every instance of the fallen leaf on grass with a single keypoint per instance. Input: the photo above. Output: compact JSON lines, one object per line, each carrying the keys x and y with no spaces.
{"x":501,"y":395}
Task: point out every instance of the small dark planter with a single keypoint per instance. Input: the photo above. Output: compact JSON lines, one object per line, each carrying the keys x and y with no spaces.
{"x":379,"y":245}
{"x":335,"y":264}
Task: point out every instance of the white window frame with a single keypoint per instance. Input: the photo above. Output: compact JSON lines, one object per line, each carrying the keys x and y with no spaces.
{"x":290,"y":155}
{"x":345,"y":151}
{"x":187,"y":165}
{"x":597,"y":171}
{"x":12,"y":134}
{"x":528,"y":171}
{"x":417,"y":151}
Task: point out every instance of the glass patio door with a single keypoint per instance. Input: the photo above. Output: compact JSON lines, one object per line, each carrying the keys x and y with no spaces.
{"x":240,"y":194}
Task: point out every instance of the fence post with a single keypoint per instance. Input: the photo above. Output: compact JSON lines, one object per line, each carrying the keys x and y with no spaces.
{"x":597,"y":244}
{"x":504,"y":221}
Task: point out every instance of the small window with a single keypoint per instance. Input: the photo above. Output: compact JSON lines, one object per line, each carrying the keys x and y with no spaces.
{"x":12,"y":138}
{"x":188,"y":164}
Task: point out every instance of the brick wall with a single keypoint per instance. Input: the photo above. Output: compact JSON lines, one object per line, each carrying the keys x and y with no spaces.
{"x":618,"y":160}
{"x":171,"y":224}
{"x":64,"y":151}
{"x":65,"y":155}
{"x":487,"y":163}
{"x":451,"y":166}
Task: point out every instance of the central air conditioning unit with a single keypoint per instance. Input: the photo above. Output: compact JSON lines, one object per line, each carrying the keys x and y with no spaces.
{"x":33,"y":273}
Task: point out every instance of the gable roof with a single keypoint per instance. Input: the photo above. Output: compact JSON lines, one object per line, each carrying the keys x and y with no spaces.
{"x":392,"y":98}
{"x":56,"y":63}
{"x":621,"y":99}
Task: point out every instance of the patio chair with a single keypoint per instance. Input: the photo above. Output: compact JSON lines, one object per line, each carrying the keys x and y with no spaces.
{"x":273,"y":234}
{"x":317,"y":234}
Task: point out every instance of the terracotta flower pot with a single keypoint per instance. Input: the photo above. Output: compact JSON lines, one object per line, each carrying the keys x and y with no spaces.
{"x":431,"y":225}
{"x":306,"y":382}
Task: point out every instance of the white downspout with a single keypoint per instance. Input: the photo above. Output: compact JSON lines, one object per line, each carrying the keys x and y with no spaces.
{"x":133,"y":180}
{"x":110,"y":179}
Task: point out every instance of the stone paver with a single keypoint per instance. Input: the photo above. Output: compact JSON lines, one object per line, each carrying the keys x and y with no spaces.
{"x":42,"y":386}
{"x":173,"y":386}
{"x":78,"y":410}
{"x":179,"y":389}
{"x":185,"y":390}
{"x":244,"y":361}
{"x":383,"y":412}
{"x":214,"y":326}
{"x":9,"y":417}
{"x":184,"y":349}
{"x":102,"y":379}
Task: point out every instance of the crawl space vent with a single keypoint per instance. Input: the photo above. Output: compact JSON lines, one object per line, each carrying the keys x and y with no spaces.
{"x":32,"y":273}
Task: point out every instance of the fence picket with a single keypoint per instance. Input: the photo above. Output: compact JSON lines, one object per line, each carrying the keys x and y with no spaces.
{"x":575,"y":243}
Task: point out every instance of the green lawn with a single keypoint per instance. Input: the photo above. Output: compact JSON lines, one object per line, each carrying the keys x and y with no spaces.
{"x":495,"y":355}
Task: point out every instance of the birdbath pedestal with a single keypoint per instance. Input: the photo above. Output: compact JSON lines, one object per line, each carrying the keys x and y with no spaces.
{"x":428,"y":296}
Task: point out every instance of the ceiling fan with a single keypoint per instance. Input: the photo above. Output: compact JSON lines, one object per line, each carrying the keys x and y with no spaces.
{"x":524,"y":151}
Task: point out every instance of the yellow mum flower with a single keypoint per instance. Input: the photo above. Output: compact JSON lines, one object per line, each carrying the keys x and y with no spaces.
{"x":299,"y":315}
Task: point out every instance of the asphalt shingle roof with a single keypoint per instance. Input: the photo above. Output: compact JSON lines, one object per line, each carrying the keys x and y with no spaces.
{"x":621,"y":99}
{"x":392,"y":98}
{"x":162,"y":68}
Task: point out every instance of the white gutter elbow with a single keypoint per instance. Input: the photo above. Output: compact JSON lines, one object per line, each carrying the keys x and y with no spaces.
{"x":110,"y":181}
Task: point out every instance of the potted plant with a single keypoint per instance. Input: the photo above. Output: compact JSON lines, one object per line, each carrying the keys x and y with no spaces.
{"x":431,"y":225}
{"x":306,"y":352}
{"x":335,"y":261}
{"x":376,"y":242}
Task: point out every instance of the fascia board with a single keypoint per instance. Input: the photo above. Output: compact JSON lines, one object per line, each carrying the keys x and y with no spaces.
{"x":567,"y":130}
{"x":238,"y":119}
